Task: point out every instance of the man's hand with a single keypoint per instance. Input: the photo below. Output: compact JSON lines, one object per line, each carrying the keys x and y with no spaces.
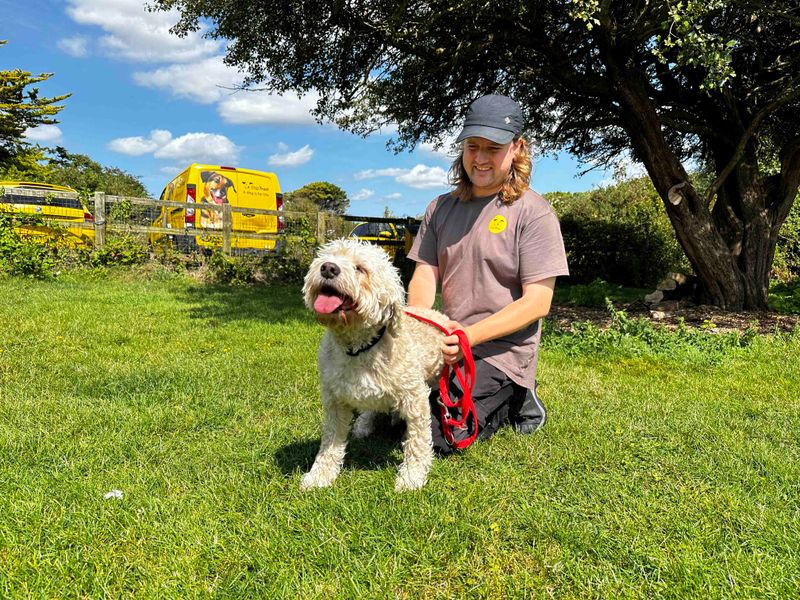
{"x":450,"y":344}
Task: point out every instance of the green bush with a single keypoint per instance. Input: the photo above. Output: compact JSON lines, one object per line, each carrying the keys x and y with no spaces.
{"x":123,"y":250}
{"x":620,"y":234}
{"x":785,"y":297}
{"x":231,"y":269}
{"x":787,"y":254}
{"x":288,"y":266}
{"x":19,"y":256}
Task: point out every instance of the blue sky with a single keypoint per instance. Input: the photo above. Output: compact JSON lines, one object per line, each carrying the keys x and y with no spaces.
{"x":151,"y":103}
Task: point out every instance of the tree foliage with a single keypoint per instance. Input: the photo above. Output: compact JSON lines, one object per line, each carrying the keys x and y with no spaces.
{"x":21,"y":108}
{"x":663,"y":81}
{"x":319,"y":195}
{"x":78,"y":171}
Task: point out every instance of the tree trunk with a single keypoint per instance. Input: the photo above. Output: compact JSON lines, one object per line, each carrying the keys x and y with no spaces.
{"x":730,"y":251}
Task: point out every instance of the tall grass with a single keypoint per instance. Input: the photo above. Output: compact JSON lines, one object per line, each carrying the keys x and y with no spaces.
{"x":667,"y":469}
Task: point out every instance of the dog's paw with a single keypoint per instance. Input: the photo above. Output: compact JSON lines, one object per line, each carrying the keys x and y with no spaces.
{"x":310,"y":481}
{"x":364,"y":425}
{"x":407,"y":480}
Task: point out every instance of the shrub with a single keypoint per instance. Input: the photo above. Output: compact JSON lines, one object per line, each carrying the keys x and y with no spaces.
{"x":787,"y":253}
{"x":19,"y":256}
{"x":286,"y":267}
{"x":125,"y":250}
{"x":785,"y":297}
{"x":231,"y":269}
{"x":620,"y":234}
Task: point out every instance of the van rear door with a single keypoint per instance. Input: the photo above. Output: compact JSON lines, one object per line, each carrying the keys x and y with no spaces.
{"x":254,"y":189}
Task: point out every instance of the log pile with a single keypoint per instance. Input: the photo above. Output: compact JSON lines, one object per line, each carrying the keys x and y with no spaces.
{"x":673,"y":291}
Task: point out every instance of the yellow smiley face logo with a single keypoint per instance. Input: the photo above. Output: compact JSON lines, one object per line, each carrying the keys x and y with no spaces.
{"x":497,"y":224}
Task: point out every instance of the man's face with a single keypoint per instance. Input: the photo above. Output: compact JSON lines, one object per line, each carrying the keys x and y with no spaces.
{"x":487,"y":164}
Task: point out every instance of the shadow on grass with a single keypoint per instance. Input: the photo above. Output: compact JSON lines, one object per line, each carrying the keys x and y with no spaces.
{"x":271,"y":304}
{"x":376,"y":452}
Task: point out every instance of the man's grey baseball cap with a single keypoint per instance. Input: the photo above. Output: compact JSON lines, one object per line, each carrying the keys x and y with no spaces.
{"x":494,"y":117}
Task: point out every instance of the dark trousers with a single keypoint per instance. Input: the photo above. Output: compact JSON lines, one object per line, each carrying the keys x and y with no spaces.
{"x":492,"y":397}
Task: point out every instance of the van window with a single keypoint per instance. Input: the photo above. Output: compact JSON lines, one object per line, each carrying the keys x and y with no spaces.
{"x":370,"y":230}
{"x":12,"y":198}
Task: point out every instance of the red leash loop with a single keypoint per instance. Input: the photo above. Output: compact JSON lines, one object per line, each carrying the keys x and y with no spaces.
{"x":466,"y":379}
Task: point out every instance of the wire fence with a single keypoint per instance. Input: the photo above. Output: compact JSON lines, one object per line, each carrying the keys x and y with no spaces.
{"x":193,"y":227}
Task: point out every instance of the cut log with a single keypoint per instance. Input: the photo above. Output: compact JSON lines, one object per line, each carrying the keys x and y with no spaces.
{"x":655,"y":297}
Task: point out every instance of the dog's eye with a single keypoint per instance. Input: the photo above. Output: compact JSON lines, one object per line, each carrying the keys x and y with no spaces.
{"x":361,"y":269}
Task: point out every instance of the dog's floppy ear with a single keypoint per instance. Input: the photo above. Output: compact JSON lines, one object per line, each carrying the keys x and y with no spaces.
{"x":229,"y":184}
{"x":398,"y":306}
{"x":397,"y":313}
{"x":206,"y":175}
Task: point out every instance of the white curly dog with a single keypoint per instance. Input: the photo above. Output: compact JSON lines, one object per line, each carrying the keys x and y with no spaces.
{"x":373,"y":357}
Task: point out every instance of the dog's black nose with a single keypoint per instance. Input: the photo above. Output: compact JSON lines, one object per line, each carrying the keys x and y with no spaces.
{"x":329,"y":270}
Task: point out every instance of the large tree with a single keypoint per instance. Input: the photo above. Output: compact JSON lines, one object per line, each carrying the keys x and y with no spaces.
{"x":21,"y":107}
{"x":319,"y":195}
{"x":714,"y":83}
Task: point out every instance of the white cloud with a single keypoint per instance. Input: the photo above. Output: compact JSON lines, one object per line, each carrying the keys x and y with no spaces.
{"x":210,"y":80}
{"x":291,"y":159}
{"x":200,"y":147}
{"x":193,"y":66}
{"x":135,"y":34}
{"x":257,"y":107}
{"x":362,"y":194}
{"x":205,"y":81}
{"x":424,"y":177}
{"x":138,"y":145}
{"x":373,"y":173}
{"x":77,"y":46}
{"x":395,"y":196}
{"x":43,"y":133}
{"x":191,"y":147}
{"x":419,"y":177}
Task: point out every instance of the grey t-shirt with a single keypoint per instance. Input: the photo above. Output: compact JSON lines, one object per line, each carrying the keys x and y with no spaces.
{"x":485,"y":251}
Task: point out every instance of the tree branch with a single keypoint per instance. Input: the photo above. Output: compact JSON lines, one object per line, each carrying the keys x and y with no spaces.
{"x":747,"y":135}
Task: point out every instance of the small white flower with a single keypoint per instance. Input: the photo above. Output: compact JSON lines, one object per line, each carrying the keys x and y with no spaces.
{"x":114,"y":494}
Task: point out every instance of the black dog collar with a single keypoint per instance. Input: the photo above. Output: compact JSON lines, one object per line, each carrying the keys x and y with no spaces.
{"x":369,"y":345}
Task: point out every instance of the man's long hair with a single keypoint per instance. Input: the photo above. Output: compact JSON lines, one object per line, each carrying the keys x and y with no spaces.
{"x":518,"y":180}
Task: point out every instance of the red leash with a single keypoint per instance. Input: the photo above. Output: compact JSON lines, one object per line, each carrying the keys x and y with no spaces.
{"x":467,"y":380}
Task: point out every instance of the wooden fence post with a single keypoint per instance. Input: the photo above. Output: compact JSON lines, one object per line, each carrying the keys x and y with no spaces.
{"x":321,"y":231}
{"x":227,"y":228}
{"x":99,"y":220}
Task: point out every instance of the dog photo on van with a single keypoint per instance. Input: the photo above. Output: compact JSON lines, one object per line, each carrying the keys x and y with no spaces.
{"x":373,"y":357}
{"x":215,"y":191}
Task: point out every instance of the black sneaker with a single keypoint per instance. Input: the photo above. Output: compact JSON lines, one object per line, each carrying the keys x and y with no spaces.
{"x":527,"y":414}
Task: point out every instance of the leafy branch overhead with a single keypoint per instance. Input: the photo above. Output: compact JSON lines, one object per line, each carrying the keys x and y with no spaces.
{"x":667,"y":82}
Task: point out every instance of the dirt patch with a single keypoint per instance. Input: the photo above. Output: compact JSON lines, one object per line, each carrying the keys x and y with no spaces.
{"x":706,"y":317}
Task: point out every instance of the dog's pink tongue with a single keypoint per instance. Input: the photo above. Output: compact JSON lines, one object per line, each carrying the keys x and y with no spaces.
{"x":326,"y":304}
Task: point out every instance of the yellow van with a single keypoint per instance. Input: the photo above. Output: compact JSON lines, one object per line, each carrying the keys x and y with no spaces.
{"x":44,"y":203}
{"x":389,"y":236}
{"x":217,"y":185}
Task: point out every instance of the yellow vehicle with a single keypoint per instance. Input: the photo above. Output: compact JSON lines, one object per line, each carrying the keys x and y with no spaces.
{"x":44,"y":203}
{"x":210,"y":185}
{"x":390,"y":236}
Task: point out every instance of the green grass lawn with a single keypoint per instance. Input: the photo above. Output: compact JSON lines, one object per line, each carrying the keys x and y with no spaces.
{"x":669,"y":468}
